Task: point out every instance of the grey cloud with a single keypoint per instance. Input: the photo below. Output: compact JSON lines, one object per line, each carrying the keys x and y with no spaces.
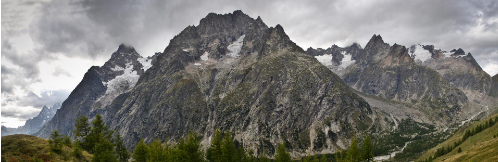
{"x":61,"y":72}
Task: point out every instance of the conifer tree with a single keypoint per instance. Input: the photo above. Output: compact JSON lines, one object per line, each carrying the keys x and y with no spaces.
{"x":155,"y":151}
{"x":140,"y":152}
{"x":104,"y":150}
{"x":323,"y":159}
{"x":353,"y":153}
{"x":263,"y":158}
{"x":315,"y":158}
{"x":55,"y":141}
{"x":368,"y":154}
{"x":121,"y":151}
{"x":228,"y":150}
{"x":282,"y":154}
{"x":193,"y":148}
{"x":213,"y":153}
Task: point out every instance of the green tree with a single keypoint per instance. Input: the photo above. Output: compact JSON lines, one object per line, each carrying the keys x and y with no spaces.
{"x":77,"y":152}
{"x":315,"y":158}
{"x":121,"y":151}
{"x":140,"y":152}
{"x":104,"y":150}
{"x":82,"y":127}
{"x":368,"y":154}
{"x":353,"y":153}
{"x":459,"y":150}
{"x":67,"y":141}
{"x":263,"y":158}
{"x":55,"y":141}
{"x":155,"y":151}
{"x":339,"y":156}
{"x":282,"y":155}
{"x":213,"y":153}
{"x":96,"y":135}
{"x":323,"y":159}
{"x":228,"y":150}
{"x":193,"y":148}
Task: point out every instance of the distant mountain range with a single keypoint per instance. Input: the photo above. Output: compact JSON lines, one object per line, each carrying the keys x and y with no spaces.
{"x":33,"y":125}
{"x":233,"y":72}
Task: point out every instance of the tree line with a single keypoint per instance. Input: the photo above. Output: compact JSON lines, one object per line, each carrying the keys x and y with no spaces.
{"x":468,"y":133}
{"x":107,"y":145}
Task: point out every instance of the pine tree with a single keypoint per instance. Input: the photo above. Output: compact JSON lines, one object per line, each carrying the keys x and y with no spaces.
{"x":263,"y":158}
{"x":77,"y":151}
{"x":121,"y":151}
{"x":140,"y":152}
{"x":155,"y":151}
{"x":282,"y":154}
{"x":213,"y":153}
{"x":338,"y":156}
{"x":98,"y":131}
{"x":368,"y":154}
{"x":227,"y":148}
{"x":104,"y":150}
{"x":55,"y":141}
{"x":315,"y":158}
{"x":82,"y":127}
{"x":67,"y":141}
{"x":353,"y":153}
{"x":323,"y":159}
{"x":192,"y":148}
{"x":459,"y":150}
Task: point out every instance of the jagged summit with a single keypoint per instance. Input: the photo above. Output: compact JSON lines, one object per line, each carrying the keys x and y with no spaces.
{"x":374,"y":41}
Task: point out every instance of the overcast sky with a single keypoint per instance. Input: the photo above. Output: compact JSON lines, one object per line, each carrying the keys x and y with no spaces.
{"x":47,"y":46}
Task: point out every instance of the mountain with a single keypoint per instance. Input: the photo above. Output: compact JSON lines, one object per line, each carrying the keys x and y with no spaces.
{"x":234,"y":73}
{"x":231,"y":72}
{"x":33,"y":125}
{"x":457,"y":67}
{"x":389,"y":72}
{"x":99,"y":87}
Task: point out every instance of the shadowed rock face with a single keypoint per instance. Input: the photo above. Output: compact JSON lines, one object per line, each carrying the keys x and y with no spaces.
{"x":268,"y":93}
{"x":494,"y":87}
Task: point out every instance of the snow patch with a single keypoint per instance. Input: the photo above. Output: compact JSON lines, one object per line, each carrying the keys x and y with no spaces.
{"x":204,"y":57}
{"x":185,"y":50}
{"x":347,"y":60}
{"x":146,"y":62}
{"x":447,"y":54}
{"x":48,"y":117}
{"x":325,"y":59}
{"x":128,"y":79}
{"x":197,"y":64}
{"x":421,"y":54}
{"x":236,"y":46}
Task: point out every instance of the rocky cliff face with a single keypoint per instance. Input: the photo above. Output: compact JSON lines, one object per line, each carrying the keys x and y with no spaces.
{"x":456,"y":67}
{"x":234,"y":73}
{"x":390,"y":72}
{"x":99,"y":87}
{"x":494,"y":86}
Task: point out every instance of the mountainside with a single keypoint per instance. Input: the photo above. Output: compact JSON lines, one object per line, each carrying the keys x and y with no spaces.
{"x":99,"y":87}
{"x":389,"y":72}
{"x":34,"y":124}
{"x":482,"y":146}
{"x":494,"y":86}
{"x":234,"y":73}
{"x":458,"y":68}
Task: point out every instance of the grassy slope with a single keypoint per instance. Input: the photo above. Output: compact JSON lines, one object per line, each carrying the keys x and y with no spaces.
{"x":22,"y":147}
{"x":480,"y":147}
